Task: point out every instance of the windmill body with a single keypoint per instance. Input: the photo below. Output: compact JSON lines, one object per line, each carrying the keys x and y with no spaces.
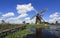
{"x":38,"y":20}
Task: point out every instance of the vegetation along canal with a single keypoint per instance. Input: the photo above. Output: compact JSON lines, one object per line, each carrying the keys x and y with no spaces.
{"x":10,"y":31}
{"x":51,"y":32}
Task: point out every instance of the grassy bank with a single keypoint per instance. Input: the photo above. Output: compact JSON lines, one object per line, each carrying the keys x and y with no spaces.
{"x":19,"y":34}
{"x":35,"y":26}
{"x":24,"y":32}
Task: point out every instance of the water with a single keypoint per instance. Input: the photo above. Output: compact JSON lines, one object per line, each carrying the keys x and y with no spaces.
{"x":52,"y":32}
{"x":55,"y":30}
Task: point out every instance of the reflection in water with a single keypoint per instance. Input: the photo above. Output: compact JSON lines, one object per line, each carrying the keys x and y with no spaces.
{"x":55,"y":30}
{"x":52,"y":32}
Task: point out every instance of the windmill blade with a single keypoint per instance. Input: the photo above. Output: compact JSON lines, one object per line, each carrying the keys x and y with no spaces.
{"x":43,"y":11}
{"x":35,"y":12}
{"x":39,"y":13}
{"x":43,"y":19}
{"x":33,"y":16}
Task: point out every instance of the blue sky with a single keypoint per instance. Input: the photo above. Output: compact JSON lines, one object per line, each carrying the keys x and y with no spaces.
{"x":7,"y":6}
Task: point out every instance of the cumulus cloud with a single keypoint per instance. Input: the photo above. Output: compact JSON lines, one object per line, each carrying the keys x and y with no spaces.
{"x":22,"y":15}
{"x":14,"y":21}
{"x":33,"y":20}
{"x":54,"y":17}
{"x":17,"y":22}
{"x":28,"y":20}
{"x":0,"y":20}
{"x":17,"y":18}
{"x":9,"y":14}
{"x":22,"y":9}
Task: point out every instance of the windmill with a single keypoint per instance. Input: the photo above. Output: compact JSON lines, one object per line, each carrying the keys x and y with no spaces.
{"x":38,"y":16}
{"x":39,"y":20}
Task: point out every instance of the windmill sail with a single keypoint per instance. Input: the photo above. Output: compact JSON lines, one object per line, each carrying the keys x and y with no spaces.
{"x":33,"y":16}
{"x":43,"y":11}
{"x":39,"y":13}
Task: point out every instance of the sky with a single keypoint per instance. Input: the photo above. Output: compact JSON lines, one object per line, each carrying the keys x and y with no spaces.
{"x":16,"y":11}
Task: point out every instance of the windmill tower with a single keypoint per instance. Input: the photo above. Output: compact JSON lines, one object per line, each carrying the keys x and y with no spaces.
{"x":38,"y":16}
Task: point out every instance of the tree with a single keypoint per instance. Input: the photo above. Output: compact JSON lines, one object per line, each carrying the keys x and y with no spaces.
{"x":45,"y":22}
{"x":56,"y":22}
{"x":3,"y":21}
{"x":24,"y":22}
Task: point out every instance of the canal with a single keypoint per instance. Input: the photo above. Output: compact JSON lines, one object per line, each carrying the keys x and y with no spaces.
{"x":51,"y":32}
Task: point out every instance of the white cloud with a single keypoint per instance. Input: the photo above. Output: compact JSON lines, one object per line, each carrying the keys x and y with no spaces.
{"x":22,"y":15}
{"x":17,"y":18}
{"x":9,"y":14}
{"x":28,"y":20}
{"x":56,"y":14}
{"x":33,"y":20}
{"x":14,"y":21}
{"x":17,"y":22}
{"x":54,"y":17}
{"x":0,"y":20}
{"x":22,"y":9}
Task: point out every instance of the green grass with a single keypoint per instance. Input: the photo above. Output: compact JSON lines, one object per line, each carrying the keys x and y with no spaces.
{"x":35,"y":26}
{"x":19,"y":34}
{"x":7,"y":26}
{"x":24,"y":32}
